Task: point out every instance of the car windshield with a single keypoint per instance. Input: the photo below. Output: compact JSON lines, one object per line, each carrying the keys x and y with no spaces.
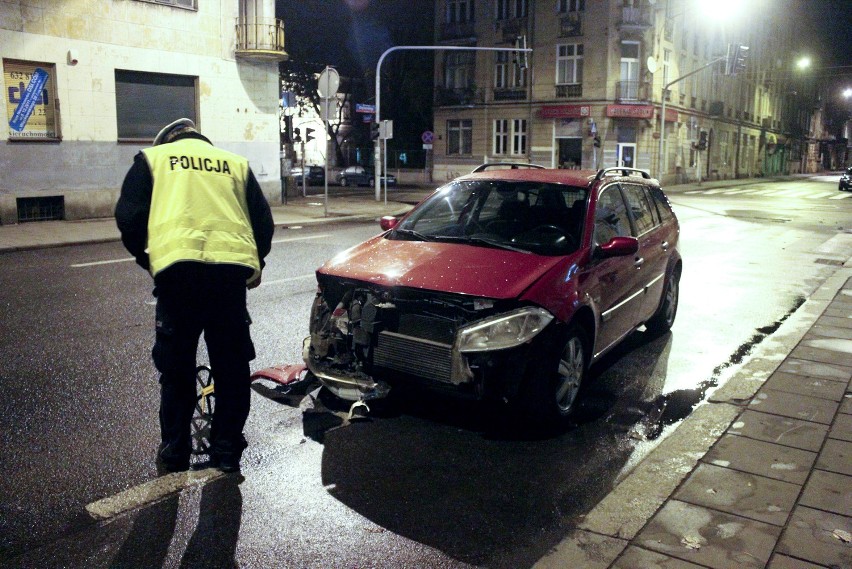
{"x":534,"y":217}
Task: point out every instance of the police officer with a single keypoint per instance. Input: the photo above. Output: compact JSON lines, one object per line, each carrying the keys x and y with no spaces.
{"x":195,"y":217}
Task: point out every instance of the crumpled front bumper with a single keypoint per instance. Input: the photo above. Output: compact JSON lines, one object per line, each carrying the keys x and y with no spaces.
{"x":350,"y":386}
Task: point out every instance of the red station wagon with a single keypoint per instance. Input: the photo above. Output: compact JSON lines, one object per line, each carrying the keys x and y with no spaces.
{"x":504,"y":284}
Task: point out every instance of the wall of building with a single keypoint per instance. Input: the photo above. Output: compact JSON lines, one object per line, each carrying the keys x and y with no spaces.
{"x":237,"y":105}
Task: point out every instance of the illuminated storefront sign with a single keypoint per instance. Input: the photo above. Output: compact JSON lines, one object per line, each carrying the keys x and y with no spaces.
{"x":630,"y":111}
{"x":565,"y":112}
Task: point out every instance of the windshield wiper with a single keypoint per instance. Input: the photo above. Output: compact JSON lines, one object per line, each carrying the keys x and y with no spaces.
{"x":481,"y":241}
{"x":411,"y":233}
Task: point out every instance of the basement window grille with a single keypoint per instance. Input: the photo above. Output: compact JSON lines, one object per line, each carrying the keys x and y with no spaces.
{"x":47,"y":208}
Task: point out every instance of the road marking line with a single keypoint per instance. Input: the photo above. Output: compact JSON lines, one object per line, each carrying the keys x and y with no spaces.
{"x":149,"y":492}
{"x":841,"y":197}
{"x":108,"y":262}
{"x":306,"y":237}
{"x":820,"y":196}
{"x":93,"y":263}
{"x":287,"y":280}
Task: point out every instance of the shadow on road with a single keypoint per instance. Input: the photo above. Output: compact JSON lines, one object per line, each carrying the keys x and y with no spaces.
{"x":447,"y":473}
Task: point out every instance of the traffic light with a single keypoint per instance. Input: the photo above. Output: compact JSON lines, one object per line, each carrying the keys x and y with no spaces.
{"x":702,"y":141}
{"x":597,"y":141}
{"x":297,"y":135}
{"x":308,"y":136}
{"x":735,"y":58}
{"x":374,"y":131}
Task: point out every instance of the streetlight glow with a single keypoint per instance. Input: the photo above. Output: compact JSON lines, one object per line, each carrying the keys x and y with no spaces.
{"x":803,"y":62}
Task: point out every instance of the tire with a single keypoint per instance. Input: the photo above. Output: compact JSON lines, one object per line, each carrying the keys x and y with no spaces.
{"x":371,"y":182}
{"x":663,"y":320}
{"x":549,"y":395}
{"x":343,"y":182}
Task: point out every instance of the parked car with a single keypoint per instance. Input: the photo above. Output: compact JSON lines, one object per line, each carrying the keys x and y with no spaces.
{"x":845,"y":180}
{"x":503,"y":284}
{"x":316,"y":175}
{"x":361,"y":176}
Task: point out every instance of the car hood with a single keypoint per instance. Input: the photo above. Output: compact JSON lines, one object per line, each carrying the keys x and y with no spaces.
{"x":447,"y":267}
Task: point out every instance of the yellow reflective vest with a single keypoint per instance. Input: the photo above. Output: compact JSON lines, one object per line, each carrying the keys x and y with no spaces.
{"x":198,"y":206}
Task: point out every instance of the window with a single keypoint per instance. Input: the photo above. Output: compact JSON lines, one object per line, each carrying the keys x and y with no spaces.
{"x":30,"y":100}
{"x":570,"y":5}
{"x":190,"y":4}
{"x":519,"y":136}
{"x":458,"y":69}
{"x":569,"y":64}
{"x":630,"y":70}
{"x":501,"y":136}
{"x":611,"y":216}
{"x":667,"y":66}
{"x":460,"y":137}
{"x":145,"y":102}
{"x":640,"y":208}
{"x":509,"y":9}
{"x":459,"y":11}
{"x":507,"y":74}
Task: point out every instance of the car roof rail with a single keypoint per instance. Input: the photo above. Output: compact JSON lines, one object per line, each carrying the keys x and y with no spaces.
{"x":512,"y":165}
{"x":625,"y":171}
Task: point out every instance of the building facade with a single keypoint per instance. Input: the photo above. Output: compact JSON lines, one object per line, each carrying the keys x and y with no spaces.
{"x":591,"y":92}
{"x":88,"y":84}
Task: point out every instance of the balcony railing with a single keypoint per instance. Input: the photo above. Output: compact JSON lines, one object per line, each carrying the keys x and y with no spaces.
{"x":510,"y":94}
{"x":464,"y":96}
{"x":633,"y":91}
{"x":457,"y":30}
{"x":261,"y":40}
{"x":512,"y":28}
{"x":565,"y":91}
{"x":570,"y":25}
{"x":634,"y":18}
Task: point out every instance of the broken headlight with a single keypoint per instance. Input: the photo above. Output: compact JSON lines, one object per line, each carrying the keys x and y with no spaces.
{"x":504,"y":330}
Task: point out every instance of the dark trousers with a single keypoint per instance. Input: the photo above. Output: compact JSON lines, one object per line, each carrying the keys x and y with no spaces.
{"x":193,"y":298}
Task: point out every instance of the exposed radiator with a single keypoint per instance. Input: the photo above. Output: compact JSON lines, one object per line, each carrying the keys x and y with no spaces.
{"x":423,"y":358}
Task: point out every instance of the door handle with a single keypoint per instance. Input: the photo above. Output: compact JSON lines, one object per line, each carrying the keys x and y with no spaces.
{"x":638,"y":262}
{"x":665,"y":245}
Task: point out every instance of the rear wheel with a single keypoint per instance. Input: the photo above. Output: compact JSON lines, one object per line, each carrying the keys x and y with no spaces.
{"x":664,"y":318}
{"x":343,"y":182}
{"x":371,"y":182}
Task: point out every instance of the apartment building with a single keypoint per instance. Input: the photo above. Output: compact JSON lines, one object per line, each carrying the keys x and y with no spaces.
{"x":88,"y":84}
{"x":590,"y":94}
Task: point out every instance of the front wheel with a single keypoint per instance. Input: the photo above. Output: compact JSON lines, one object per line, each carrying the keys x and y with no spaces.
{"x":550,"y":395}
{"x":343,"y":182}
{"x":664,"y":318}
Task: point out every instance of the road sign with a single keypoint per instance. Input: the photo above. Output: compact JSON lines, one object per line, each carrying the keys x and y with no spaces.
{"x":362,"y":108}
{"x":328,"y":83}
{"x":427,"y":137}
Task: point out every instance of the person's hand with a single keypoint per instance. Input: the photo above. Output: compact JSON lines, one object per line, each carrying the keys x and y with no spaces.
{"x":254,"y":284}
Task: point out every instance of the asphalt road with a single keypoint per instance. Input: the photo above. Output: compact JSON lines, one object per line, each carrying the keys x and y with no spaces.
{"x":424,"y":482}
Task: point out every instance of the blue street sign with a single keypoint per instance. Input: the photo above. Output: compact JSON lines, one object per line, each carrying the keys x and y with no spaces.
{"x":362,"y":108}
{"x":29,"y":98}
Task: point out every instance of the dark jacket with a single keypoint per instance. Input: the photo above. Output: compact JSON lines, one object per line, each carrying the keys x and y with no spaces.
{"x":134,"y":204}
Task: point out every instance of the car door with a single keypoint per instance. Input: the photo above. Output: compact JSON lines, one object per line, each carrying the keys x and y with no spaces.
{"x":653,"y":247}
{"x":614,"y":284}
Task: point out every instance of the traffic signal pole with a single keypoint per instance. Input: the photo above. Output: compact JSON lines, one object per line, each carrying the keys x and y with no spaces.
{"x":377,"y":165}
{"x":660,"y":162}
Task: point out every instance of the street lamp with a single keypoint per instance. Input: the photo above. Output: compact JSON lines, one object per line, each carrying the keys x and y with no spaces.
{"x":803,"y":62}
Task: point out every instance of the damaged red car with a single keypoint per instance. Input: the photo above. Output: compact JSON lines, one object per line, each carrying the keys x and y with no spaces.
{"x":504,"y":284}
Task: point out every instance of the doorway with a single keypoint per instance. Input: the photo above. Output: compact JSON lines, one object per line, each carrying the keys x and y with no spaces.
{"x":625,"y":154}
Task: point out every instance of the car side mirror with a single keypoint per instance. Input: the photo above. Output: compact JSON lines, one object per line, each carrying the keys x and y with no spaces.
{"x":618,"y":247}
{"x":388,"y":222}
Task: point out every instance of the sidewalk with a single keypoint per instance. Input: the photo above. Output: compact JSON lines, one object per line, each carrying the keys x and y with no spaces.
{"x":298,"y":211}
{"x":758,"y":476}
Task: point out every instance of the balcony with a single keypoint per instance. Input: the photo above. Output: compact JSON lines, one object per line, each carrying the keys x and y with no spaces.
{"x":634,"y":19}
{"x":570,"y":25}
{"x":567,"y":91}
{"x":633,"y":91}
{"x":457,"y":31}
{"x":456,"y":97}
{"x":261,"y":41}
{"x":511,"y":29}
{"x":510,"y":94}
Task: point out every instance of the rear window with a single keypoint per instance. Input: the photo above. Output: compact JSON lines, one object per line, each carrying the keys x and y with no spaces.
{"x":664,"y":208}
